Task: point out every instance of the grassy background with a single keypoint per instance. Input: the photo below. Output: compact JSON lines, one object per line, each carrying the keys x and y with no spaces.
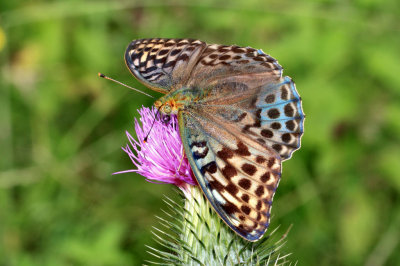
{"x":62,"y":127}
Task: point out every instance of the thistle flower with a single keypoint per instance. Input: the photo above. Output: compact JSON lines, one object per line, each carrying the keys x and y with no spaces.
{"x":194,"y":233}
{"x":161,"y":158}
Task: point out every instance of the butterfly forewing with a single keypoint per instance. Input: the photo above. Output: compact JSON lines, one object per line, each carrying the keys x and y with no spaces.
{"x":163,"y":64}
{"x":219,"y":62}
{"x":248,"y":119}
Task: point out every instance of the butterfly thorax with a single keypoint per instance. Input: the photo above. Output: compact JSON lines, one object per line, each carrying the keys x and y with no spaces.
{"x":177,"y":100}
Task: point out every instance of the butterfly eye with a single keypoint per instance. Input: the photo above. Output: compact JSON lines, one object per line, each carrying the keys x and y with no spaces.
{"x":166,"y":109}
{"x":166,"y":119}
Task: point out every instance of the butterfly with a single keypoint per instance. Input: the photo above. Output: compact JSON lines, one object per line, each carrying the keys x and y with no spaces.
{"x":238,"y":120}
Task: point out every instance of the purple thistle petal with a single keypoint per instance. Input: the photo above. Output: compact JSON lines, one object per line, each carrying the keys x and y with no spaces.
{"x":161,"y":158}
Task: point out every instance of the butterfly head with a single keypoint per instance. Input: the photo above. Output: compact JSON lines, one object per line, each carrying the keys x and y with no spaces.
{"x":170,"y":105}
{"x":166,"y":108}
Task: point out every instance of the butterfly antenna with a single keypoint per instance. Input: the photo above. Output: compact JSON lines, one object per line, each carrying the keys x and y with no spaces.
{"x":116,"y":81}
{"x":148,"y":133}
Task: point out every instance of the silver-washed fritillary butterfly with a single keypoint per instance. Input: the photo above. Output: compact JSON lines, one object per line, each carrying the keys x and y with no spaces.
{"x":238,"y":120}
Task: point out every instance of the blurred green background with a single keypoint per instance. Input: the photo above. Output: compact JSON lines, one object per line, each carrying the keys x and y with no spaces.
{"x":62,"y":127}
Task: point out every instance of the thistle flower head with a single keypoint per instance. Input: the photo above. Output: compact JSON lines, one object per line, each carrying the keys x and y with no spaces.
{"x":161,"y":157}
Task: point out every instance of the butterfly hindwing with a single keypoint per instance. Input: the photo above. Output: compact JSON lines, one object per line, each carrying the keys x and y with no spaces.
{"x":270,"y":114}
{"x":232,"y":144}
{"x":239,"y":180}
{"x":277,"y":117}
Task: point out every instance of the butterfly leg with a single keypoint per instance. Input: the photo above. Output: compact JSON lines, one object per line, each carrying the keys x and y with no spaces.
{"x":180,"y":164}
